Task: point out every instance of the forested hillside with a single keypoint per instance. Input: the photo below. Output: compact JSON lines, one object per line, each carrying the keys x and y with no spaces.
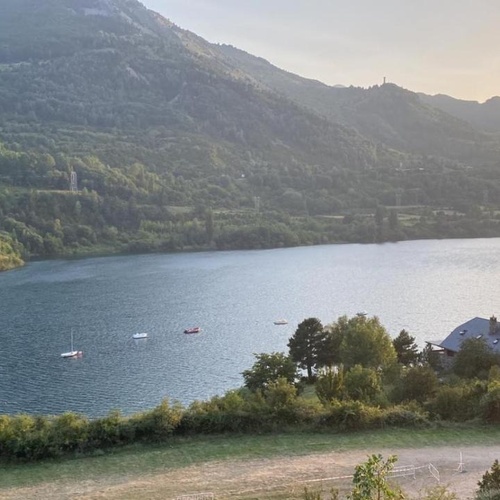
{"x":177,"y":145}
{"x":9,"y":252}
{"x":484,"y":116}
{"x":387,"y":113}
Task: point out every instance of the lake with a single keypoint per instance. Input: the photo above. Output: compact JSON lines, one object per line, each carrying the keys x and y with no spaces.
{"x":427,"y":287}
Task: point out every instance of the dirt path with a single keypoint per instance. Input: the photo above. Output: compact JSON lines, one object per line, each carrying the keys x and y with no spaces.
{"x":257,"y":479}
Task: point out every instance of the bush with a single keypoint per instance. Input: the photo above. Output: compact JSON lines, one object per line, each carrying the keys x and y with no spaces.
{"x":439,"y":493}
{"x":329,"y":384}
{"x":489,"y":486}
{"x":159,"y":423}
{"x":474,"y":359}
{"x":490,"y":404}
{"x":68,"y":432}
{"x":351,"y":415}
{"x":109,"y":431}
{"x":404,"y":417}
{"x":416,"y":384}
{"x":362,"y":384}
{"x":457,"y":403}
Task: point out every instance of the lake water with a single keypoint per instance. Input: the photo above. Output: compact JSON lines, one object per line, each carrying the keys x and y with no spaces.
{"x":426,"y":287}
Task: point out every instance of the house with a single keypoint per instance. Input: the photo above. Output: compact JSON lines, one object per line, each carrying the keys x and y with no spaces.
{"x":487,"y":330}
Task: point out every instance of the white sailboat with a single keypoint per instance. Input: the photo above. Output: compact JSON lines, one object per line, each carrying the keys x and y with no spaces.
{"x":72,"y":353}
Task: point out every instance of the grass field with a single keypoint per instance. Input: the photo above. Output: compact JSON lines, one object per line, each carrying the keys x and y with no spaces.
{"x":183,"y":452}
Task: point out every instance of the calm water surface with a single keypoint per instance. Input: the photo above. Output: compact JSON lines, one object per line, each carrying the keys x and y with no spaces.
{"x":427,"y":287}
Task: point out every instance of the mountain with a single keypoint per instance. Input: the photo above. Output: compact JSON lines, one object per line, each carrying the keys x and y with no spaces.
{"x":484,"y":116}
{"x":384,"y":113}
{"x":112,"y":64}
{"x":120,"y":131}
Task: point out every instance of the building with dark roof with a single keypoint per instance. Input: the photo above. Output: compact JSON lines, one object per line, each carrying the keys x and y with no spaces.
{"x":487,"y":330}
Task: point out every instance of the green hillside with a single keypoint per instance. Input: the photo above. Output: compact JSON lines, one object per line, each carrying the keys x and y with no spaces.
{"x":10,"y":256}
{"x":387,"y":113}
{"x":484,"y":116}
{"x":178,"y":144}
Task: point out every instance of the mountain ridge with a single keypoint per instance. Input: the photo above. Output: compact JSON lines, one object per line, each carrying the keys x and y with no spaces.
{"x":385,"y":113}
{"x":485,"y":115}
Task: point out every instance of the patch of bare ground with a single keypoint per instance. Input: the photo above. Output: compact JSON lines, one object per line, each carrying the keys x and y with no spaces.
{"x":278,"y":477}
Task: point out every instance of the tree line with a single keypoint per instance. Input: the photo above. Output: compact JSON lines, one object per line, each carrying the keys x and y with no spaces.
{"x":359,"y":379}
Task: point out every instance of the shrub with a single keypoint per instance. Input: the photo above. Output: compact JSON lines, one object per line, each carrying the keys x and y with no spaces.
{"x":403,"y":416}
{"x":474,"y":359}
{"x":457,"y":403}
{"x":351,"y":415}
{"x":362,"y":384}
{"x":490,"y":404}
{"x":109,"y":431}
{"x":158,"y":423}
{"x":330,"y":384}
{"x":417,"y":383}
{"x":370,"y":479}
{"x":489,"y":486}
{"x":439,"y":493}
{"x":68,"y":432}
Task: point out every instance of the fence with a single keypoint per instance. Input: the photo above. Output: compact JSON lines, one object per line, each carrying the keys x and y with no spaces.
{"x":197,"y":496}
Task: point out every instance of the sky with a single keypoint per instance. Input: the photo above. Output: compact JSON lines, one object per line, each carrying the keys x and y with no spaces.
{"x":434,"y":46}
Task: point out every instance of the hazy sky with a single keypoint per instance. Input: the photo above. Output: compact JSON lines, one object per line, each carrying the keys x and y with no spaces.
{"x":433,"y":46}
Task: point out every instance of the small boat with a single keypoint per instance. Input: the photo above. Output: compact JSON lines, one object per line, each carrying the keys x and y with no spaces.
{"x":195,"y":329}
{"x":361,"y":314}
{"x":142,"y":335}
{"x":72,"y":353}
{"x":281,"y":322}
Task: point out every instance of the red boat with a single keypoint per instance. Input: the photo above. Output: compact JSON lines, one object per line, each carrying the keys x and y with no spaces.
{"x":195,"y":329}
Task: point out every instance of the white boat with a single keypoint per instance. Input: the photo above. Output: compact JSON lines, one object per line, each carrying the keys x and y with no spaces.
{"x":142,"y":335}
{"x":72,"y":353}
{"x":281,"y":322}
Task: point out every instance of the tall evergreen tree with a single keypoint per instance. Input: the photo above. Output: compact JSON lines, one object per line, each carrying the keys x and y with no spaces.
{"x":406,"y":348}
{"x":306,"y":344}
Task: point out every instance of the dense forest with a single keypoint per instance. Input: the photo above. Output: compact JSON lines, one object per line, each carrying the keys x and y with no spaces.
{"x":177,"y":144}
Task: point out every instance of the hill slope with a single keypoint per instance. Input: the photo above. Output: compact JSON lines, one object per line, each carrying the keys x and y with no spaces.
{"x":484,"y":116}
{"x":180,"y":144}
{"x":386,"y":113}
{"x":112,"y":64}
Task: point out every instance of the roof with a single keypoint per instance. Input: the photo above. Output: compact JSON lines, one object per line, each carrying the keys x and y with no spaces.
{"x":476,"y":328}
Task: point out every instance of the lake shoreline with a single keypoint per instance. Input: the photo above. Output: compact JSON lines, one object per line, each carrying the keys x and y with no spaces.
{"x":234,"y":297}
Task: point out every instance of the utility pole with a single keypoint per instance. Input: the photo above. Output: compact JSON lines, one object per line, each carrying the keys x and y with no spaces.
{"x":73,"y":182}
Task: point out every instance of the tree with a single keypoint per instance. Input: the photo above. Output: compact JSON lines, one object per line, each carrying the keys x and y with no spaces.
{"x":362,"y":384}
{"x":418,"y":383}
{"x":306,"y":344}
{"x":330,"y":384}
{"x":489,"y":486}
{"x":269,"y":368}
{"x":429,"y":357}
{"x":370,"y":479}
{"x":406,"y":348}
{"x":329,"y":354}
{"x":280,"y":394}
{"x":365,"y":342}
{"x":209,"y":225}
{"x":474,"y":359}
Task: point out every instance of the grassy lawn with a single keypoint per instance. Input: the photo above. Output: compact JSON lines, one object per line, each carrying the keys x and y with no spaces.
{"x":188,"y":451}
